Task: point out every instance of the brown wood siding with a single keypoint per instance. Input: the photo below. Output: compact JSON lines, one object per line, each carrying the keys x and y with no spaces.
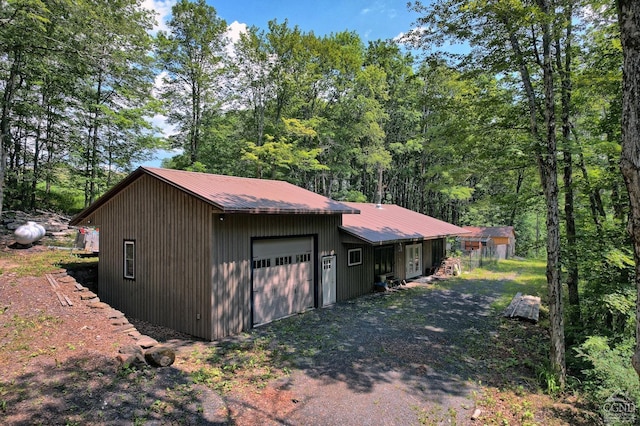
{"x":350,"y":239}
{"x":400,"y":263}
{"x":427,"y":256}
{"x":232,"y":240}
{"x":172,"y":247}
{"x":354,"y":281}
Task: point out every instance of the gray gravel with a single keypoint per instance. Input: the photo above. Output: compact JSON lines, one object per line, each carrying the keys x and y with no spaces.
{"x":411,"y":356}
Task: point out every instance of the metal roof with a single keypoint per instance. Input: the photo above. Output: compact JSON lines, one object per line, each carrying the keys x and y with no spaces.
{"x":489,"y":231}
{"x":234,"y":194}
{"x":231,"y":194}
{"x":391,"y":223}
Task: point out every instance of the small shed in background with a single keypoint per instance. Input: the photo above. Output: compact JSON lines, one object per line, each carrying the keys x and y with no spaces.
{"x":502,"y":238}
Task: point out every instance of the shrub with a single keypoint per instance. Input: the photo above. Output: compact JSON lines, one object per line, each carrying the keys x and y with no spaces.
{"x":610,"y":370}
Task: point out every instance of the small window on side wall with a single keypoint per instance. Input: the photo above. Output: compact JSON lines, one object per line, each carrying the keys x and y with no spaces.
{"x":355,"y":257}
{"x":130,"y":260}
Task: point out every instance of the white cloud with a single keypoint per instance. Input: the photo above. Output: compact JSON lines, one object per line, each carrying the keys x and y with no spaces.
{"x":233,"y":36}
{"x":378,"y":7}
{"x":413,"y":37}
{"x":234,"y":30}
{"x":400,"y":38}
{"x":165,"y":129}
{"x":162,"y":11}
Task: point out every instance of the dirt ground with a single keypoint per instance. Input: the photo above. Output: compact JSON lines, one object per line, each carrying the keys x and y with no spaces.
{"x":419,"y":355}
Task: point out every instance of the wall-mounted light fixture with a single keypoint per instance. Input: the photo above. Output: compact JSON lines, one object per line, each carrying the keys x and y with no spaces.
{"x":221,"y":217}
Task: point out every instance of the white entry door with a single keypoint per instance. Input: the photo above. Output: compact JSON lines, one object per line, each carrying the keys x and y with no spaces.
{"x":328,"y":280}
{"x":282,"y":278}
{"x":413,"y":260}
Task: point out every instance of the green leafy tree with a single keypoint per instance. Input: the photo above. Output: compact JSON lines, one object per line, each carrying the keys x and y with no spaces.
{"x":284,"y":158}
{"x":192,"y":55}
{"x":77,"y":95}
{"x":116,"y":84}
{"x":17,"y":19}
{"x":401,"y":123}
{"x":525,"y":28}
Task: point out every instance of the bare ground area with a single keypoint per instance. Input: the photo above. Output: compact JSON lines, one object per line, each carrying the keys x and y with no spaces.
{"x":424,"y":354}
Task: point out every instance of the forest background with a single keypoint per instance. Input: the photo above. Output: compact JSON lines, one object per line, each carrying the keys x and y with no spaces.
{"x":527,"y":121}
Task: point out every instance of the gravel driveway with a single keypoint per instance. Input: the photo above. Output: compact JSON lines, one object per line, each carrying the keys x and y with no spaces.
{"x":407,"y":357}
{"x":411,"y":356}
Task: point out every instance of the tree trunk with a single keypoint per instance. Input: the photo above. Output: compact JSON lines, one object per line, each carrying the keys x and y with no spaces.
{"x":92,"y":147}
{"x":547,"y":165}
{"x":514,"y":210}
{"x":36,"y":165}
{"x":5,"y":127}
{"x":549,"y":175}
{"x":629,"y":21}
{"x":50,"y":147}
{"x":39,"y":142}
{"x":194,"y":131}
{"x":565,"y":76}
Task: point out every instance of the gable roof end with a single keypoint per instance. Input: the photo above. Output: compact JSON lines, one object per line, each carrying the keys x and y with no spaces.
{"x":231,"y":194}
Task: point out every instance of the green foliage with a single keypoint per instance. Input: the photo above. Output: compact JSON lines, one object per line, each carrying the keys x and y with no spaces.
{"x":608,"y":291}
{"x":61,"y":199}
{"x":197,"y":167}
{"x":76,"y":81}
{"x":191,"y":54}
{"x":446,"y":136}
{"x":274,"y":159}
{"x":351,"y":195}
{"x":549,"y":380}
{"x":609,"y":371}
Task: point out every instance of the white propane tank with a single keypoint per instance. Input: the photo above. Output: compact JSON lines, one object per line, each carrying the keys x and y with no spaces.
{"x":29,"y":233}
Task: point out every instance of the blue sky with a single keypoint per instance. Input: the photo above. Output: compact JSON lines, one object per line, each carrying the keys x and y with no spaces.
{"x":371,"y":19}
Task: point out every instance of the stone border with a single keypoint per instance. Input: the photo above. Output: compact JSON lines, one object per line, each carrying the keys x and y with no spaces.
{"x":147,"y":350}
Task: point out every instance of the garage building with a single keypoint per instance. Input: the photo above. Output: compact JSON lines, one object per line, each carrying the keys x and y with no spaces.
{"x":213,"y":255}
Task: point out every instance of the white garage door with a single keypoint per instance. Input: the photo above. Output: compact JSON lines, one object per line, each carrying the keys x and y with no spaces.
{"x":282,"y":278}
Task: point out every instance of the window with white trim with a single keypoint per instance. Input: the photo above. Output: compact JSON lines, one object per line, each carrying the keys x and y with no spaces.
{"x":354,"y":257}
{"x":130,"y":259}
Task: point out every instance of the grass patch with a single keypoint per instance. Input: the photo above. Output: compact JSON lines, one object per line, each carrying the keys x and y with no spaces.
{"x":249,"y":362}
{"x":62,"y":196}
{"x":42,"y":262}
{"x":525,"y":276}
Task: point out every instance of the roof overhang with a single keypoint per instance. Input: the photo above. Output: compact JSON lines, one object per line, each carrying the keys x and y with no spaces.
{"x":381,"y":242}
{"x":336,"y":207}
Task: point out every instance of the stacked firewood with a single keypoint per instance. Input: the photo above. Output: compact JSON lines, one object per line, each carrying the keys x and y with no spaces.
{"x":449,"y":267}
